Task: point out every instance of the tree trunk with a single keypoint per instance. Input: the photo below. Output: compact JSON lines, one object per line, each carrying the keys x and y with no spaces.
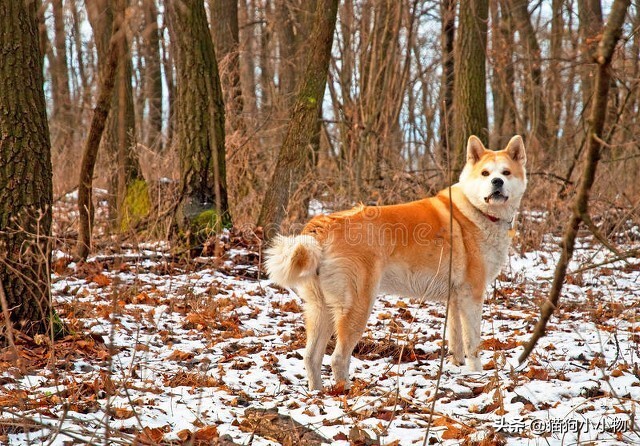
{"x":120,"y":137}
{"x":590,"y":24}
{"x":602,"y":57}
{"x":293,"y":159}
{"x":25,"y":172}
{"x":60,"y":74}
{"x":536,"y":114}
{"x":169,"y":77}
{"x":96,"y":129}
{"x":224,"y":20}
{"x":287,"y":50}
{"x":554,"y":92}
{"x":447,"y":39}
{"x":200,"y":136}
{"x":77,"y":38}
{"x":503,"y":75}
{"x":247,"y":57}
{"x":470,"y":98}
{"x":153,"y":76}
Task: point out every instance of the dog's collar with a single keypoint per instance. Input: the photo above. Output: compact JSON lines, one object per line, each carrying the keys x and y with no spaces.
{"x":491,"y":217}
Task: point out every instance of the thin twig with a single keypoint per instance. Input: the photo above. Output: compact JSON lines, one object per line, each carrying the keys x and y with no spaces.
{"x":7,"y":322}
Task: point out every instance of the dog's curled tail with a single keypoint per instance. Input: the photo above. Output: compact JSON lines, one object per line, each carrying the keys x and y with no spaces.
{"x":292,"y":260}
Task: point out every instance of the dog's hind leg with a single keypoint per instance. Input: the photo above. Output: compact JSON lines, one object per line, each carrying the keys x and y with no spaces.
{"x":349,"y":326}
{"x":471,"y":320}
{"x":454,"y":335}
{"x":318,"y":324}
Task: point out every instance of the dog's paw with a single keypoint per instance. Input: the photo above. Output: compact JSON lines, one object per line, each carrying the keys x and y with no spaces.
{"x":456,"y":360}
{"x":474,"y":364}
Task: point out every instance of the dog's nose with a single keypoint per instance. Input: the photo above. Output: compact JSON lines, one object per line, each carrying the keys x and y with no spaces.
{"x":497,"y":182}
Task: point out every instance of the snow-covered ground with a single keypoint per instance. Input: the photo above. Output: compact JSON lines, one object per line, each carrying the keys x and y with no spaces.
{"x":170,"y":352}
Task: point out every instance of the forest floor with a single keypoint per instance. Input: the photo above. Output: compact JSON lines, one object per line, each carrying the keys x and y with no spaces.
{"x":208,"y":351}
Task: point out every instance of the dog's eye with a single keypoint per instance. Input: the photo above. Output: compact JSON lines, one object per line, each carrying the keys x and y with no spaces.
{"x":485,"y":173}
{"x":506,"y":173}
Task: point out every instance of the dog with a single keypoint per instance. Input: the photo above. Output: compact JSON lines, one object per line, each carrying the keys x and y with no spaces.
{"x":341,"y":261}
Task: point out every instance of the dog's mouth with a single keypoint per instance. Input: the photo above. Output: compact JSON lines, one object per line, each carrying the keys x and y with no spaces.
{"x":496,"y":197}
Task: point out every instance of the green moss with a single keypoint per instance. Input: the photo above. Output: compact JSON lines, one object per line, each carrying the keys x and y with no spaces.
{"x":136,"y":206}
{"x":207,"y":222}
{"x":60,"y":329}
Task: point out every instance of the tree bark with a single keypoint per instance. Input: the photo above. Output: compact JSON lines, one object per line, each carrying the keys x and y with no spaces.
{"x":580,"y":214}
{"x":119,"y":140}
{"x":447,"y":39}
{"x":293,"y":159}
{"x":470,"y":98}
{"x":226,"y":39}
{"x":200,"y":136}
{"x":503,"y":75}
{"x":77,"y":38}
{"x":153,"y":76}
{"x":60,"y":71}
{"x":246,"y":16}
{"x":590,"y":24}
{"x":554,"y":92}
{"x":96,"y":129}
{"x":25,"y":172}
{"x":536,"y":114}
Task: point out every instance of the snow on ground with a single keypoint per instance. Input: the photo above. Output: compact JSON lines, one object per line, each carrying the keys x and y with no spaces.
{"x":170,"y":352}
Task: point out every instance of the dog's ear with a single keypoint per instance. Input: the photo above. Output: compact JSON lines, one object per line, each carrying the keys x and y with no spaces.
{"x":516,"y":151}
{"x":475,"y":149}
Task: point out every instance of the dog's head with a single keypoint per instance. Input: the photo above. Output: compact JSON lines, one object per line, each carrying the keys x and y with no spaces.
{"x":494,"y":181}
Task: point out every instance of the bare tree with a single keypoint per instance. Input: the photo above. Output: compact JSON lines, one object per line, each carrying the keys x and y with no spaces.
{"x":602,"y":83}
{"x":294,"y":157}
{"x":120,"y":133}
{"x":96,"y":129}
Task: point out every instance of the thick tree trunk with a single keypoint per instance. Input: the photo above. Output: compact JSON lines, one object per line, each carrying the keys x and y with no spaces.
{"x":200,"y":135}
{"x":293,"y":159}
{"x":153,"y":76}
{"x":470,"y":98}
{"x":25,"y":172}
{"x":602,"y":58}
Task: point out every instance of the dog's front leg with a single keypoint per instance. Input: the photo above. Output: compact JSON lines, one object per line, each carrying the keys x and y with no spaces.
{"x":470,"y":310}
{"x":454,"y":334}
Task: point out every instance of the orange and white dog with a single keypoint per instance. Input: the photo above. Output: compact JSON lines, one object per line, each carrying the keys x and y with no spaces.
{"x":341,"y":261}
